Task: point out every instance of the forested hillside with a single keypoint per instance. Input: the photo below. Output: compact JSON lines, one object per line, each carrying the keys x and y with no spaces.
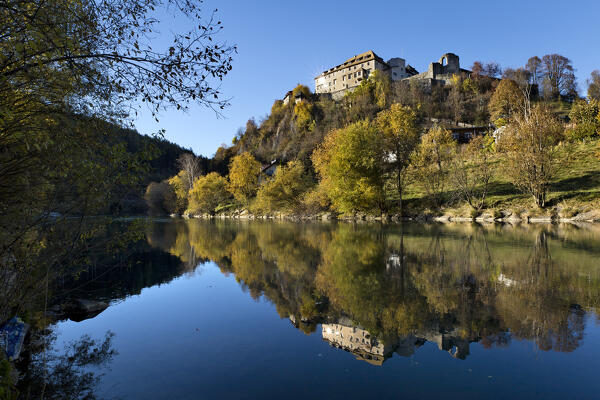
{"x":395,"y":147}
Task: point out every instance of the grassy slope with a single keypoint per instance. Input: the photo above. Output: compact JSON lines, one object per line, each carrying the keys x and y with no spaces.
{"x":576,"y":188}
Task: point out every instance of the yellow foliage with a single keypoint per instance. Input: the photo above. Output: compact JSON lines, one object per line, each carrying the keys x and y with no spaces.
{"x":209,"y":192}
{"x":284,"y":191}
{"x":349,"y":163}
{"x":178,"y":184}
{"x":304,"y":118}
{"x":243,"y":177}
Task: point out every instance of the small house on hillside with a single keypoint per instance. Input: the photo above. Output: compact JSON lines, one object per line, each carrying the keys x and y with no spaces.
{"x":297,"y":98}
{"x":267,"y":171}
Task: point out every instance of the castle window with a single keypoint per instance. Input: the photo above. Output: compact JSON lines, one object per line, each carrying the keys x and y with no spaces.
{"x":334,"y":81}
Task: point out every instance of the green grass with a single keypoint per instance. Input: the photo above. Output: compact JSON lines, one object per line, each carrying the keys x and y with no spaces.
{"x":575,"y":189}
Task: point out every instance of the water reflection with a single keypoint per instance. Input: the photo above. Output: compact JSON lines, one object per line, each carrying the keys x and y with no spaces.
{"x":380,"y":289}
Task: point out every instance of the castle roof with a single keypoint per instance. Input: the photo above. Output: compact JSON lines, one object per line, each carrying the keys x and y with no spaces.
{"x":358,"y":59}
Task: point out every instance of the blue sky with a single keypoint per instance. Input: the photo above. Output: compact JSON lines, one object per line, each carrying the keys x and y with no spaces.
{"x":283,"y":43}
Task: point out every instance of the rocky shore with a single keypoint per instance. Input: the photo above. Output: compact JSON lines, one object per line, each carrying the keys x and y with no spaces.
{"x":485,"y":217}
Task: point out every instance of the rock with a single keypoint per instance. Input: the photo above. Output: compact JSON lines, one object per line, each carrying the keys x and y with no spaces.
{"x":540,"y":219}
{"x":590,"y":216}
{"x":462,"y":219}
{"x":80,"y":309}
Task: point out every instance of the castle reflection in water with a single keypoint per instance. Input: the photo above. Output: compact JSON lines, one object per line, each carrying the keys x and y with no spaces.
{"x":367,"y":348}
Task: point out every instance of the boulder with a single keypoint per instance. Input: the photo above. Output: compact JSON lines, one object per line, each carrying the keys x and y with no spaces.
{"x":81,"y":309}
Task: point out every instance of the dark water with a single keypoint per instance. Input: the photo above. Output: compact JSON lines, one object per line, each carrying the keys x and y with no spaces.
{"x":219,"y":309}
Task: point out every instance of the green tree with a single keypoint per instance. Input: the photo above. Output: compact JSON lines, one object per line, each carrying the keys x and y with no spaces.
{"x":284,"y":192}
{"x":584,"y":115}
{"x":398,"y":125}
{"x":350,"y":165}
{"x":209,"y":192}
{"x":530,"y":145}
{"x":244,"y":171}
{"x":432,"y":162}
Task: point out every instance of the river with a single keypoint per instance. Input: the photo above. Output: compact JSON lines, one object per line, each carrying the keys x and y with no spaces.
{"x":259,"y":309}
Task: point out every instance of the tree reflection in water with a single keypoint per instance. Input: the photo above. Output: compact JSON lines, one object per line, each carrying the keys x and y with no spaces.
{"x":70,"y":373}
{"x":404,"y":285}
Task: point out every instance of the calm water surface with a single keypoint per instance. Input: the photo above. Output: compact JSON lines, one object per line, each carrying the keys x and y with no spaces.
{"x":236,"y":310}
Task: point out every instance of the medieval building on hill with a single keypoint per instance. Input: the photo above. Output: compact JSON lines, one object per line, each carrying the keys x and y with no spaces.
{"x":441,"y":72}
{"x":348,"y":75}
{"x":337,"y":80}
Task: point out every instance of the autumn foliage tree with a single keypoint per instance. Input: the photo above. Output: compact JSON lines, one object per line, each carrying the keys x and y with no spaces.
{"x":244,"y":171}
{"x":209,"y":192}
{"x":472,"y":171}
{"x":507,"y":101}
{"x":349,"y":163}
{"x":532,"y":154}
{"x":432,"y":162}
{"x":284,"y":191}
{"x":398,"y":124}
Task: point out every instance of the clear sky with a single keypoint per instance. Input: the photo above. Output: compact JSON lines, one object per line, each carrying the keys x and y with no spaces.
{"x":283,"y":43}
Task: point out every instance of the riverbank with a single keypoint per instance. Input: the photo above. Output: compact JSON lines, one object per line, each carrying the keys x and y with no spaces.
{"x":504,"y":216}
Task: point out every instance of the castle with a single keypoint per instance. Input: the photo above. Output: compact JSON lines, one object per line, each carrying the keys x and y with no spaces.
{"x":337,"y":80}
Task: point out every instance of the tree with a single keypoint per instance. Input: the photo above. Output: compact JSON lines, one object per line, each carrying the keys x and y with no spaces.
{"x":594,"y":85}
{"x":284,"y":192}
{"x":398,"y":124}
{"x":349,"y":163}
{"x":66,"y":68}
{"x":534,"y":67}
{"x":432,"y":162}
{"x":530,"y":145}
{"x":456,"y":101}
{"x":472,"y":171}
{"x":209,"y":192}
{"x":244,"y":171}
{"x":190,"y":164}
{"x":584,"y":115}
{"x":106,"y":47}
{"x":558,"y":76}
{"x":522,"y":76}
{"x":180,"y":187}
{"x":506,"y":101}
{"x":160,"y":198}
